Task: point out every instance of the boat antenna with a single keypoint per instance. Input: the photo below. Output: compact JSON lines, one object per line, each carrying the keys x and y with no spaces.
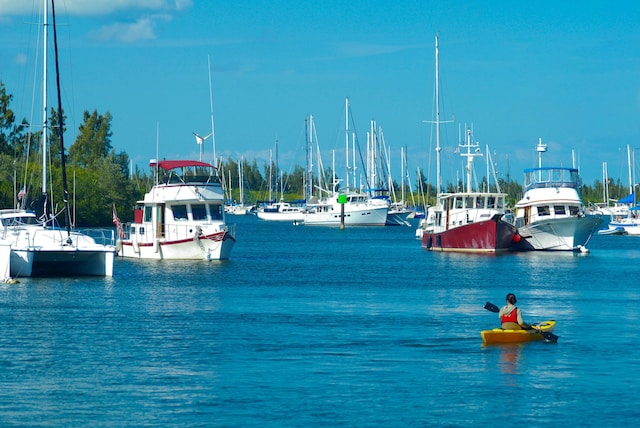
{"x":438,"y":148}
{"x":540,"y":148}
{"x":437,"y":122}
{"x":155,"y":166}
{"x":213,"y":137}
{"x":65,"y":190}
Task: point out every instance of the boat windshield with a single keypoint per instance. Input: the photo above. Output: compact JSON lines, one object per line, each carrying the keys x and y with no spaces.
{"x":189,"y":174}
{"x":550,"y":177}
{"x":19,"y":220}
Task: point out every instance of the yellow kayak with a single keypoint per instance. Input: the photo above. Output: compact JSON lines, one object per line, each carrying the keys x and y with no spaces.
{"x":541,"y":331}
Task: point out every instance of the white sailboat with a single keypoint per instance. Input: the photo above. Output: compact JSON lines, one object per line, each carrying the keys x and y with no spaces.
{"x":38,"y":246}
{"x":239,"y":208}
{"x":626,"y":223}
{"x":338,"y":207}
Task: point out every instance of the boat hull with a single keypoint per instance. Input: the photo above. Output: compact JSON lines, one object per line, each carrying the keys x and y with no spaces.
{"x":488,"y":236}
{"x":368,"y":216}
{"x":625,"y":226}
{"x":5,"y":260}
{"x":559,"y":234}
{"x":65,"y":262}
{"x":40,"y":251}
{"x":215,"y":246}
{"x":281,"y":216}
{"x":498,"y":335}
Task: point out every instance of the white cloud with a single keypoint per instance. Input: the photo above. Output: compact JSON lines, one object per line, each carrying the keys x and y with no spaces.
{"x":95,"y":7}
{"x":142,"y":29}
{"x":20,"y":59}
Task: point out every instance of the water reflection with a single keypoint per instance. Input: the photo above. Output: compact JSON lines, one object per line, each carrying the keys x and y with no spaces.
{"x":509,"y":360}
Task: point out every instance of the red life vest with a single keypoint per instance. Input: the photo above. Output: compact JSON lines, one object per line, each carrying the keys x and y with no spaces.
{"x":512,"y":317}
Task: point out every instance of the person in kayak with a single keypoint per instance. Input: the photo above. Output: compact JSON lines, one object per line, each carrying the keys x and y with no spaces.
{"x":511,"y":316}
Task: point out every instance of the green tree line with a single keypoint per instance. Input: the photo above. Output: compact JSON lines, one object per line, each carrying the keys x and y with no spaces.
{"x":99,"y":177}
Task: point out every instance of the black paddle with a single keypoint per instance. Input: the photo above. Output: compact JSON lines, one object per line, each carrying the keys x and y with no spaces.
{"x":548,"y":336}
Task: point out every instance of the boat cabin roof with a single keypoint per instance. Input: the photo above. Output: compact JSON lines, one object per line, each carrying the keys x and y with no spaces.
{"x":552,"y":176}
{"x":173,"y":164}
{"x":185,"y":171}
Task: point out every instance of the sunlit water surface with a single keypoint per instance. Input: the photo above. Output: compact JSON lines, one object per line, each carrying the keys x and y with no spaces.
{"x":310,"y":326}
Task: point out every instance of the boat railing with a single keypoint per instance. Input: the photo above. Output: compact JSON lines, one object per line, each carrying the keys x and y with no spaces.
{"x":37,"y":237}
{"x":100,"y":235}
{"x":471,"y":215}
{"x":173,"y":231}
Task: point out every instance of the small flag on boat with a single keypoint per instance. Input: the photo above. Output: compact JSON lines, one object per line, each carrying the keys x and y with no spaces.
{"x":117,"y":222}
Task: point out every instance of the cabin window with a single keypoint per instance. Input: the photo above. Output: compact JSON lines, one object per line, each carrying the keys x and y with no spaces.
{"x":574,"y":210}
{"x":491,"y":202}
{"x":480,"y":202}
{"x":543,"y":211}
{"x":141,"y":230}
{"x":180,"y":212}
{"x":216,"y":212}
{"x":199,"y":212}
{"x":468,"y":202}
{"x":458,"y":203}
{"x":559,"y":209}
{"x":500,"y":203}
{"x":147,"y":214}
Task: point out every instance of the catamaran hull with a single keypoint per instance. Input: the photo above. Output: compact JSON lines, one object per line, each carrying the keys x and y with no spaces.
{"x":65,"y":262}
{"x":216,"y":246}
{"x":488,"y":236}
{"x":560,"y":234}
{"x":5,"y":260}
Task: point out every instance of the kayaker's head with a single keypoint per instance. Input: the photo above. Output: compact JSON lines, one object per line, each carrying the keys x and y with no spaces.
{"x":511,"y":298}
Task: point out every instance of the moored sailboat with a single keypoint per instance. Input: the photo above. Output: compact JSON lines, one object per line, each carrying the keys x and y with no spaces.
{"x":626,"y":222}
{"x":38,"y":246}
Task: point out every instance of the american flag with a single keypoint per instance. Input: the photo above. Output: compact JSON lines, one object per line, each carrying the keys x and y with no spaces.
{"x":117,"y":222}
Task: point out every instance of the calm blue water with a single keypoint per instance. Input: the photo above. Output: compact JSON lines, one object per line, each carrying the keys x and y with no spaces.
{"x":321,"y":327}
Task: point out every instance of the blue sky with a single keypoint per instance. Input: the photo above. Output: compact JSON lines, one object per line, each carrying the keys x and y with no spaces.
{"x":566,"y":72}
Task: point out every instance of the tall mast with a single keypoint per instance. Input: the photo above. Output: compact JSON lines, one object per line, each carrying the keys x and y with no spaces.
{"x":241,"y":179}
{"x":438,"y":177}
{"x":213,"y":135}
{"x":270,"y":176}
{"x":278,"y":183}
{"x":309,"y":130}
{"x":346,"y":140}
{"x":65,"y":190}
{"x":45,"y":121}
